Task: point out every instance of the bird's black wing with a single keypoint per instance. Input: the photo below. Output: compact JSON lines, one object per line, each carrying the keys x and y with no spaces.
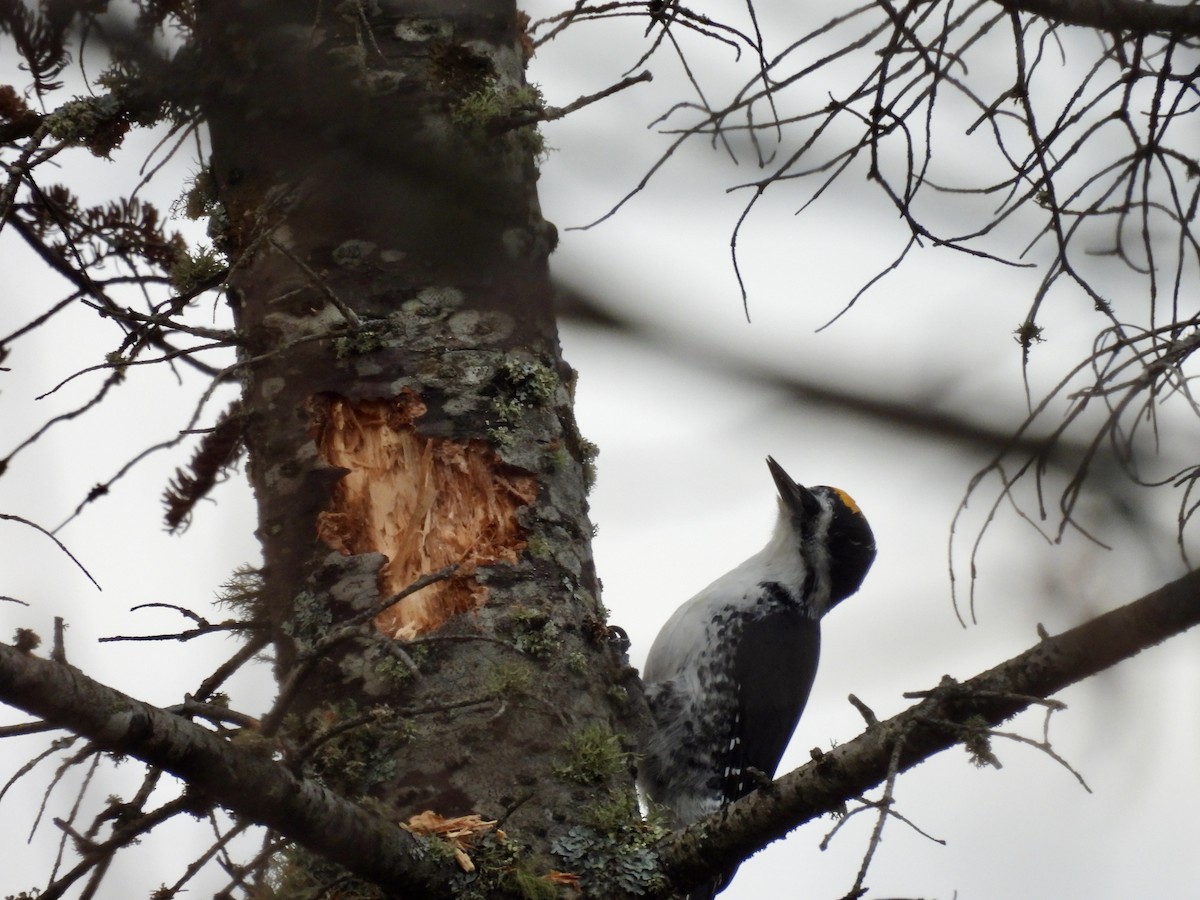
{"x":775,"y":666}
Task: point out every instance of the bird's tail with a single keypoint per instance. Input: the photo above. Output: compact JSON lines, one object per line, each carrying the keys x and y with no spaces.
{"x":714,"y":887}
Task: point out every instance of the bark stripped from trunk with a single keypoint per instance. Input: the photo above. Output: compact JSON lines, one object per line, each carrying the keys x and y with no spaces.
{"x":422,"y":502}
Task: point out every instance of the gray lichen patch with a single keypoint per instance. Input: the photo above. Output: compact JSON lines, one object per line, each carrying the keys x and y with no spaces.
{"x":418,"y":30}
{"x":290,"y":326}
{"x":481,"y":326}
{"x":435,"y":299}
{"x":353,"y":254}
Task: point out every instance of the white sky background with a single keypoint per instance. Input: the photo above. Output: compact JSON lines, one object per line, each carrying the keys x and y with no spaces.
{"x":683,"y":495}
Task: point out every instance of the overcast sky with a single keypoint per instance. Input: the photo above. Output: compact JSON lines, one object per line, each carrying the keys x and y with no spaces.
{"x":683,"y":494}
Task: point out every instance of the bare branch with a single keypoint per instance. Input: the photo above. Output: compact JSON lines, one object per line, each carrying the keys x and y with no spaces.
{"x":246,"y":783}
{"x":1115,"y":15}
{"x":551,"y":113}
{"x":9,"y":517}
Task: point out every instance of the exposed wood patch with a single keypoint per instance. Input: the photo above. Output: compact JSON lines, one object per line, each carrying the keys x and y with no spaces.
{"x":422,"y":502}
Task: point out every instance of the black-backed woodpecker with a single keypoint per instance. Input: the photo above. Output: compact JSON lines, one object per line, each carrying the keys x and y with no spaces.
{"x":729,"y":674}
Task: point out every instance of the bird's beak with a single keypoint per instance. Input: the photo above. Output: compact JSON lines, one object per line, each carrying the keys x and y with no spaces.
{"x":798,"y":499}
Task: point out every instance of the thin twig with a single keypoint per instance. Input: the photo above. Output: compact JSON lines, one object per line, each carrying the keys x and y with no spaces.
{"x":61,"y":546}
{"x":552,"y":113}
{"x":320,"y":284}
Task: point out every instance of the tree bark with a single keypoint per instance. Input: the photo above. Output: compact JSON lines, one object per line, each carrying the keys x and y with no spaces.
{"x":407,"y":408}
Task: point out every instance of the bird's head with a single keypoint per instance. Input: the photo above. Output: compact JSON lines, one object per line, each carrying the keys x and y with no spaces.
{"x":831,"y":530}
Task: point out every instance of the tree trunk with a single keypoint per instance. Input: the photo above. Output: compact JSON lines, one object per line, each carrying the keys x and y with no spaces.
{"x":407,"y":409}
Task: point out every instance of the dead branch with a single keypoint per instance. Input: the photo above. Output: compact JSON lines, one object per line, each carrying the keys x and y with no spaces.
{"x":1116,"y":15}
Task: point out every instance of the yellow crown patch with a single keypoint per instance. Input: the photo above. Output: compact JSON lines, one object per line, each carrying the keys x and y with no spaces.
{"x":848,"y":500}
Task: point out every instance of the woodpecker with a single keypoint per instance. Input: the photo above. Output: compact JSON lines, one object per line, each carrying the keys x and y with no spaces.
{"x":729,"y":674}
